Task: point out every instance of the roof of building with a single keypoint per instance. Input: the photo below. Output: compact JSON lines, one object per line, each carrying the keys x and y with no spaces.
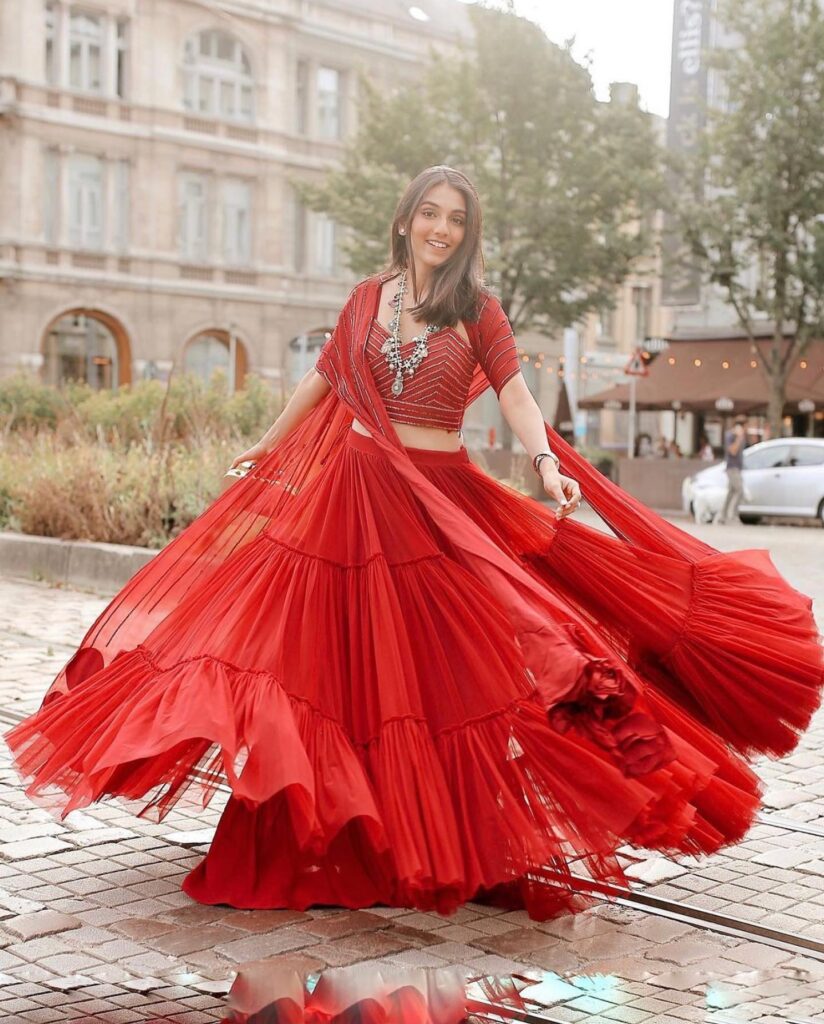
{"x":693,"y":373}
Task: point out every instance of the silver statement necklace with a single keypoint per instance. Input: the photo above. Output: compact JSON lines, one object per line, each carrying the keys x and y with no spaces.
{"x":392,"y":346}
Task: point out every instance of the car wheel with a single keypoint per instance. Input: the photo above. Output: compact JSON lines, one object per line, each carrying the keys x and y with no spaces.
{"x":750,"y":520}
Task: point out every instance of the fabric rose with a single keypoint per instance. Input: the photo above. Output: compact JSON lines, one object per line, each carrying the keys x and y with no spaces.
{"x":642,"y":745}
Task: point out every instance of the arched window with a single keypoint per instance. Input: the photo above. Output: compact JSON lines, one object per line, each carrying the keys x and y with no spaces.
{"x":210,"y":351}
{"x":217,"y":77}
{"x":82,"y":347}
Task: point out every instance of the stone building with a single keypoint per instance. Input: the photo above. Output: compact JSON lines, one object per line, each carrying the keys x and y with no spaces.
{"x":147,"y":212}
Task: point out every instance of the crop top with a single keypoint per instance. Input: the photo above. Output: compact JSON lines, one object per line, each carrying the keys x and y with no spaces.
{"x":435,"y":395}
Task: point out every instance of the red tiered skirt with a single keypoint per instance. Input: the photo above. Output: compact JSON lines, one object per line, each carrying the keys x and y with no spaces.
{"x":363,"y":694}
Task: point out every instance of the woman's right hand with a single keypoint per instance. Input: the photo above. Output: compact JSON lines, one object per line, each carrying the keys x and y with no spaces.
{"x":253,"y":454}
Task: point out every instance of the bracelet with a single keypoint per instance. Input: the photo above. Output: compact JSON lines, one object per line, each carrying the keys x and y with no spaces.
{"x":536,"y":462}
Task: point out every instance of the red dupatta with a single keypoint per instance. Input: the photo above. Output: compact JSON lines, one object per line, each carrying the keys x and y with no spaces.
{"x":238,"y":515}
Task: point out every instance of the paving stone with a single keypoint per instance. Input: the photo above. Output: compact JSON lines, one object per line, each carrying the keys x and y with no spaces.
{"x":190,"y":940}
{"x":516,"y":943}
{"x":43,"y":922}
{"x":141,"y":928}
{"x":254,"y":947}
{"x":25,"y":849}
{"x":343,"y":924}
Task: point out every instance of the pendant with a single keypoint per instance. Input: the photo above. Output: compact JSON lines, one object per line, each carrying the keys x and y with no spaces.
{"x":386,"y":346}
{"x":397,"y":385}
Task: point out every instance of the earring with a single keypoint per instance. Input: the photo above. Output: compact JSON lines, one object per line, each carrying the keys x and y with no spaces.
{"x":401,"y":231}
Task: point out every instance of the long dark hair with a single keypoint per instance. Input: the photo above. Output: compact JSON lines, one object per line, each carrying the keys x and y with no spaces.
{"x":456,"y":285}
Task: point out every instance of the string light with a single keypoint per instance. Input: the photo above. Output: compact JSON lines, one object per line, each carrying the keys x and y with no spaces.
{"x":753,"y":364}
{"x":671,"y":360}
{"x":696,"y":362}
{"x":803,"y":364}
{"x":725,"y":364}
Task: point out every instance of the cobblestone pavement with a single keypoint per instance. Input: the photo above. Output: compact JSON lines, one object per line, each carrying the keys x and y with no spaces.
{"x":93,"y":924}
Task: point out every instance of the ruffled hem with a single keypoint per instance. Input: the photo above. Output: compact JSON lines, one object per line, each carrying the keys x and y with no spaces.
{"x":726,"y":637}
{"x":410,"y":818}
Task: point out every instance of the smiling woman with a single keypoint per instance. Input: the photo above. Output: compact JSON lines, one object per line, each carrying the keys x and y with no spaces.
{"x":423,"y":687}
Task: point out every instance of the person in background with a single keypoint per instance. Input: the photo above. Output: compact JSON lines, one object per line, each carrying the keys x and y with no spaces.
{"x":673,"y":450}
{"x":705,"y":452}
{"x":643,"y":447}
{"x":734,"y":443}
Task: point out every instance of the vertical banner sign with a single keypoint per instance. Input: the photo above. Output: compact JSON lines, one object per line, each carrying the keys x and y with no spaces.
{"x":687,"y":117}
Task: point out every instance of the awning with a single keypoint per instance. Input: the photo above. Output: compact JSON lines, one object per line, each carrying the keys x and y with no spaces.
{"x":697,"y":373}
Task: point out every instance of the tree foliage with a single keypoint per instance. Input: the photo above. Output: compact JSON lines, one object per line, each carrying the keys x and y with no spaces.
{"x":566,"y":183}
{"x":758,"y":230}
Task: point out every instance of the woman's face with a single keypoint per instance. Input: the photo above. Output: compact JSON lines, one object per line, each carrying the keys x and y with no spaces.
{"x":438,"y":225}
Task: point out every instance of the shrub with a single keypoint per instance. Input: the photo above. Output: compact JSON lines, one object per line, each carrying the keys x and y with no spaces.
{"x":135,"y":466}
{"x":90,"y":491}
{"x":185,"y":409}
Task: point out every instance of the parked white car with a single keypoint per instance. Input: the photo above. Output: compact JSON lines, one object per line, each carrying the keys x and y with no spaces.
{"x":782,"y":477}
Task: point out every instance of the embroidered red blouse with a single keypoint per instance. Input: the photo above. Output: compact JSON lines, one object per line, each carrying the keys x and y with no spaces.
{"x":436,"y":394}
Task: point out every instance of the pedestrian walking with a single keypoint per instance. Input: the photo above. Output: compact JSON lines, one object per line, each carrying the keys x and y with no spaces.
{"x":734,"y":444}
{"x":420,"y":686}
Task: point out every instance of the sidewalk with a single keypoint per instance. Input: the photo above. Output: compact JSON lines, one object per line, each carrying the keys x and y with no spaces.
{"x":92,"y":920}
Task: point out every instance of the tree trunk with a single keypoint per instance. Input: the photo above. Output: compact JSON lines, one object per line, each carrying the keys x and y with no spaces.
{"x":775,"y":403}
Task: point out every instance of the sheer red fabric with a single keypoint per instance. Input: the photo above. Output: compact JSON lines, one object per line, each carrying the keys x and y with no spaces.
{"x":420,"y":686}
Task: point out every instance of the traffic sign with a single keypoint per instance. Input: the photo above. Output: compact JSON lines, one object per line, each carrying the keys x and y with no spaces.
{"x":636,"y":367}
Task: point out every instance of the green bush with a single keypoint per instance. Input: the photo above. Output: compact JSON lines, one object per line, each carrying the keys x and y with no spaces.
{"x":133,"y":466}
{"x":187,"y":409}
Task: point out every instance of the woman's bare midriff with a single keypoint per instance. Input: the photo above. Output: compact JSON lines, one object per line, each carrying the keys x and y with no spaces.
{"x":420,"y":437}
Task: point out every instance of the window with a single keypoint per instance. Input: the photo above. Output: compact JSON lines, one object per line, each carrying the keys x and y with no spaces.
{"x":217,"y":77}
{"x":51,"y":45}
{"x":642,"y":301}
{"x":298,"y":235}
{"x":85,"y":52}
{"x":51,"y":195}
{"x":302,"y":97}
{"x":768,"y":457}
{"x":605,"y":325}
{"x":86,"y":202}
{"x":192,"y":211}
{"x":79,"y":347}
{"x":807,"y":455}
{"x":326,"y":260}
{"x":329,"y":103}
{"x":122,"y":207}
{"x":205,"y":354}
{"x":237,"y":216}
{"x":120,"y":67}
{"x":96,"y":50}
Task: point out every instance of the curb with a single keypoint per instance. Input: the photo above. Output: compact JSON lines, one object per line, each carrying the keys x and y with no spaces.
{"x":84,"y":564}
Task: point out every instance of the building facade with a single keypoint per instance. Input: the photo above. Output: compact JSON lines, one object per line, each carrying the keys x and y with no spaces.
{"x":148,"y":219}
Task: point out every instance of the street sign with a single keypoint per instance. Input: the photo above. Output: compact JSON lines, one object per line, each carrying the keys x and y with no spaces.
{"x":636,"y":367}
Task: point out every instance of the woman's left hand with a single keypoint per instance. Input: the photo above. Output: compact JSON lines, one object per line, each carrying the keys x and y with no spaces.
{"x":565,"y":490}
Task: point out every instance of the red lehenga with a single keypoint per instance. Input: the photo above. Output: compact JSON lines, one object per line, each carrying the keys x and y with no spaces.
{"x":420,"y":686}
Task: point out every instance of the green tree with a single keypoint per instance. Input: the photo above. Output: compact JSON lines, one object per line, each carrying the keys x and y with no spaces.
{"x":565,"y":181}
{"x":758,"y":230}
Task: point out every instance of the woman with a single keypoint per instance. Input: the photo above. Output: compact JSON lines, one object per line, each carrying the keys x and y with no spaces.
{"x":422,"y":687}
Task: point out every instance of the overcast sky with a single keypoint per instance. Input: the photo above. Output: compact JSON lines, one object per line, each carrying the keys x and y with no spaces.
{"x":629,"y":40}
